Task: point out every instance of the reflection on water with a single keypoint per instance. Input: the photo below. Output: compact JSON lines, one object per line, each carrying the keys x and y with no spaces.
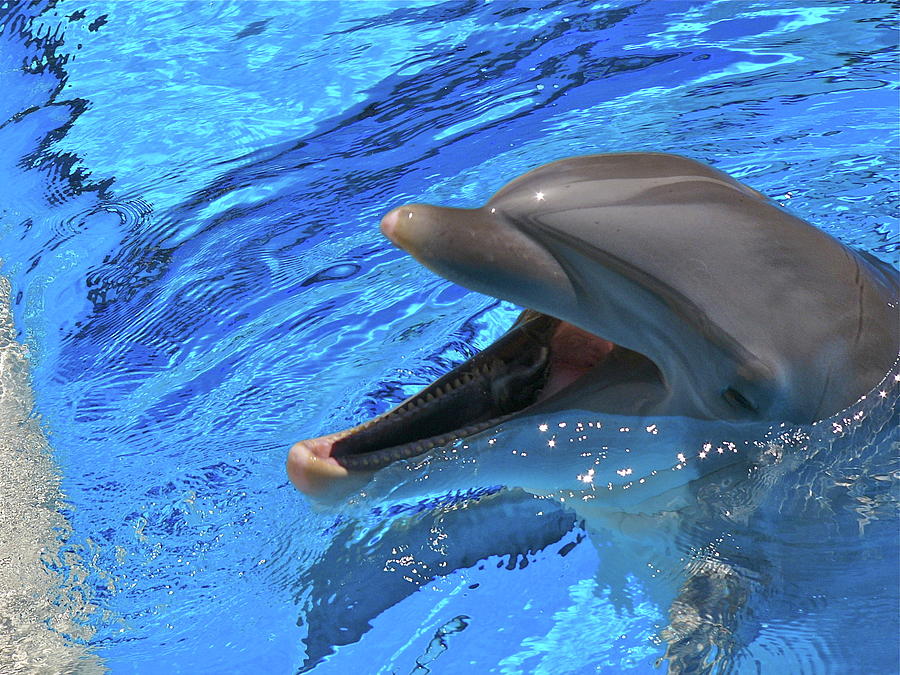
{"x":188,"y":220}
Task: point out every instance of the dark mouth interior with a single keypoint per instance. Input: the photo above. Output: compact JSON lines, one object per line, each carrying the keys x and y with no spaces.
{"x":539,"y":356}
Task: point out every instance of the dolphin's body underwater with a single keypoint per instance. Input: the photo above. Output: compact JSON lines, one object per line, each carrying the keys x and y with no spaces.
{"x":656,"y":288}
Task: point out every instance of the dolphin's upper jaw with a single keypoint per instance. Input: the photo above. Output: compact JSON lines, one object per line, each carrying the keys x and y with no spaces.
{"x":538,"y":359}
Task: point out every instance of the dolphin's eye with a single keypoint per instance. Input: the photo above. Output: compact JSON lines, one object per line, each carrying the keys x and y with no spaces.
{"x":736,"y":398}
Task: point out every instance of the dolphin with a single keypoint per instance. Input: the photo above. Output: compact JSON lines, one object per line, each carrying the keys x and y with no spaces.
{"x":655,"y":286}
{"x":657,"y":290}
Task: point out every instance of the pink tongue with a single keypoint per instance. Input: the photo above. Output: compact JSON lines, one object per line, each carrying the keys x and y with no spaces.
{"x":572,"y":353}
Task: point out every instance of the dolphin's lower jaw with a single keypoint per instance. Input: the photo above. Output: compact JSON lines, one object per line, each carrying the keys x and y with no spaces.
{"x":539,"y":357}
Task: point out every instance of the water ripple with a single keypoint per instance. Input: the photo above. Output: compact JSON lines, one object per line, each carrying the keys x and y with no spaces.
{"x":189,"y":215}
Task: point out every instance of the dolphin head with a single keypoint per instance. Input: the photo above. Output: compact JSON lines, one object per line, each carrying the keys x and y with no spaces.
{"x":654,"y":285}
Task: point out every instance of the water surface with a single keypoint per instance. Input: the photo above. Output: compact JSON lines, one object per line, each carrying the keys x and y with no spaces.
{"x":188,"y":222}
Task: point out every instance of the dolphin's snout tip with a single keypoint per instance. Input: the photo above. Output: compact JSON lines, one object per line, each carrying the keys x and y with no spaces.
{"x":390,"y":223}
{"x":311,"y":469}
{"x":402,"y":228}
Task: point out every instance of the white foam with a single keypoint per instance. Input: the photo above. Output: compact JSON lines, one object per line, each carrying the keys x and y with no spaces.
{"x":38,"y":607}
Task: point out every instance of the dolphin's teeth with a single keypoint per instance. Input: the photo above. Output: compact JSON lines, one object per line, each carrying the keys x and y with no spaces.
{"x":468,"y":394}
{"x":375,"y":460}
{"x":393,"y":414}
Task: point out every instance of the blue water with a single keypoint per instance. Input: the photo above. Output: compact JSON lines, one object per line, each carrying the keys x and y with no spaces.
{"x":189,"y":203}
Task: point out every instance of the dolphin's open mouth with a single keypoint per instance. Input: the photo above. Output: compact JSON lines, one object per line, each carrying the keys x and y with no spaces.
{"x":537,"y":358}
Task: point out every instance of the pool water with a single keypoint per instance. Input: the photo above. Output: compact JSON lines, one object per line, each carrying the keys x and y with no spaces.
{"x":189,"y":204}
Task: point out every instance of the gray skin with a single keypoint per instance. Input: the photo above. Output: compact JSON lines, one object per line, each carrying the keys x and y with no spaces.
{"x":748,"y":312}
